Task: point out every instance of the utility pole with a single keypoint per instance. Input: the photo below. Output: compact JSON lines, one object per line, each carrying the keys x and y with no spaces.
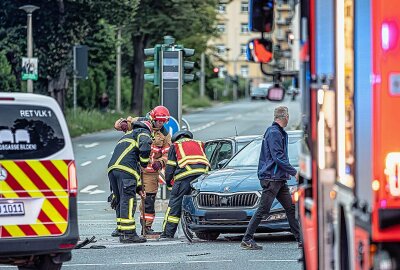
{"x":118,"y":72}
{"x":202,"y":75}
{"x":29,"y":9}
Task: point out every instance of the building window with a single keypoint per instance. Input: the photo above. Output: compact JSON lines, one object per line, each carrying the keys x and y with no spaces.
{"x":244,"y":7}
{"x":244,"y":71}
{"x":244,"y":28}
{"x":243,"y":48}
{"x":221,"y":8}
{"x":221,"y":27}
{"x":221,"y":49}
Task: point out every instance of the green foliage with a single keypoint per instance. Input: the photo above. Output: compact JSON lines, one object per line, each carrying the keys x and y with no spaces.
{"x":7,"y":79}
{"x":88,"y":121}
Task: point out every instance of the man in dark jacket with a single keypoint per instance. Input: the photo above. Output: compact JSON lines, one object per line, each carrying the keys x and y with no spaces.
{"x":273,"y":171}
{"x":130,"y":156}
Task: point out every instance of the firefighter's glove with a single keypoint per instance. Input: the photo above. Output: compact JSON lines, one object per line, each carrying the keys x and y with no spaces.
{"x":113,"y":201}
{"x":139,"y":189}
{"x":157,"y":165}
{"x":170,"y":184}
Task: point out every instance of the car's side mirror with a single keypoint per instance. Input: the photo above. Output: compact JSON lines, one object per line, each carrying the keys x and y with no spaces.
{"x":222,"y":163}
{"x":276,"y":93}
{"x":259,"y":50}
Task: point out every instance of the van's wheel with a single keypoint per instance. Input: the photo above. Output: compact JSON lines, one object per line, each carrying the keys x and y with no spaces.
{"x":210,"y":236}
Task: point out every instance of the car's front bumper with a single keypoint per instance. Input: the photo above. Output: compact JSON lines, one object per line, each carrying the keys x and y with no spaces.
{"x":229,"y":220}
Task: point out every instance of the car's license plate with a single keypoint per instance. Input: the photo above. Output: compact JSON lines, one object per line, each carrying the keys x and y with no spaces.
{"x":12,"y":209}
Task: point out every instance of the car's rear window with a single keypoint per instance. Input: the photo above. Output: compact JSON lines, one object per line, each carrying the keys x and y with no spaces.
{"x":29,"y":132}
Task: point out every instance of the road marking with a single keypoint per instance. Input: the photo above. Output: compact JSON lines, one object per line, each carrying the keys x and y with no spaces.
{"x":204,"y":127}
{"x":208,"y":261}
{"x":91,"y":145}
{"x":88,"y":188}
{"x":273,"y":261}
{"x":86,"y":163}
{"x":101,"y":157}
{"x":229,"y":118}
{"x":91,"y":202}
{"x":97,"y":191}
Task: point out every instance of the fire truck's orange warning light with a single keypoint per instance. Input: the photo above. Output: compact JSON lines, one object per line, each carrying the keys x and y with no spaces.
{"x":392,"y":172}
{"x":375,"y":185}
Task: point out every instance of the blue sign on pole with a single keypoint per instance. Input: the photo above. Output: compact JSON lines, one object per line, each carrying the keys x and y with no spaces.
{"x":172,"y":126}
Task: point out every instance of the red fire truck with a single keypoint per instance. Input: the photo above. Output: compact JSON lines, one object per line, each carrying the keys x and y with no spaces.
{"x":349,"y":197}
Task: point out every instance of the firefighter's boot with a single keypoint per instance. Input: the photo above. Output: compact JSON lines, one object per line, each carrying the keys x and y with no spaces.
{"x":116,"y":233}
{"x":150,"y":231}
{"x":128,"y":238}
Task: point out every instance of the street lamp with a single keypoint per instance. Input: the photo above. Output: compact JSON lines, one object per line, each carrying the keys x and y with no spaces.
{"x":29,"y":9}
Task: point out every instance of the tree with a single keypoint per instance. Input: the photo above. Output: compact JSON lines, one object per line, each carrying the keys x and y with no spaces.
{"x":7,"y":79}
{"x":192,"y":22}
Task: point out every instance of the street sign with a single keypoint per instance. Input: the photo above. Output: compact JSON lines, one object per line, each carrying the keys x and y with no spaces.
{"x":29,"y":69}
{"x":172,"y":126}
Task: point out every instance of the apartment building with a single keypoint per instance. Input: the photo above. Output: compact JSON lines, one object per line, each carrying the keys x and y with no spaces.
{"x":231,"y":45}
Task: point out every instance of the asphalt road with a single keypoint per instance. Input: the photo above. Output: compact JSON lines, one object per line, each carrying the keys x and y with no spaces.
{"x":92,"y":153}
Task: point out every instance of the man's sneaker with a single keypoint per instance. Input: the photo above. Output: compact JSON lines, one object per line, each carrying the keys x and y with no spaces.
{"x":116,"y":233}
{"x":131,"y":238}
{"x":250,"y":245}
{"x":300,"y":244}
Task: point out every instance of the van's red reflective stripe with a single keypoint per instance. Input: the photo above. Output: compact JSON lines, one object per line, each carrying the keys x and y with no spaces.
{"x":5,"y":233}
{"x":39,"y":182}
{"x":27,"y":229}
{"x":46,"y":221}
{"x":16,"y":187}
{"x":56,"y":173}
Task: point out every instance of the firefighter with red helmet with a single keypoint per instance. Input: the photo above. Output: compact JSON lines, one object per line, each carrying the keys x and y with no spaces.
{"x":158,"y":158}
{"x":130,"y":155}
{"x":186,"y":162}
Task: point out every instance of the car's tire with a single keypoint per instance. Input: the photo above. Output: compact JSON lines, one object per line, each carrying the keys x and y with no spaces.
{"x":185,"y":219}
{"x":209,"y":236}
{"x":253,"y":98}
{"x":43,"y":263}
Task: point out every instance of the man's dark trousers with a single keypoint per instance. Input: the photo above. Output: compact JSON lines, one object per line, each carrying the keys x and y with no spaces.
{"x":274,"y":189}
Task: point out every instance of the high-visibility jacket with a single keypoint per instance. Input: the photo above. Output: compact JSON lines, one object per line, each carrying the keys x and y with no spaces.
{"x":132,"y":151}
{"x":186,"y":157}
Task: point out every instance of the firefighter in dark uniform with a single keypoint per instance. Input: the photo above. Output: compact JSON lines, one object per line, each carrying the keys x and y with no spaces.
{"x":130,"y":156}
{"x":186,"y":162}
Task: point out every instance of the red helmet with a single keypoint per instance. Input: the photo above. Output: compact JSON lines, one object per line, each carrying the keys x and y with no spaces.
{"x":160,"y":113}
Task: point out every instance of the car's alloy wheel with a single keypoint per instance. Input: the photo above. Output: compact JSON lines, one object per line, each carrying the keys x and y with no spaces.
{"x":185,"y":221}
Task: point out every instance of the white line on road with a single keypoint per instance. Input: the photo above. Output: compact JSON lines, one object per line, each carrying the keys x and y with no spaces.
{"x":88,"y":189}
{"x":91,"y":202}
{"x":101,"y":157}
{"x":86,"y":163}
{"x":204,"y":127}
{"x":91,"y":145}
{"x":143,"y":263}
{"x":272,"y":260}
{"x":97,"y":191}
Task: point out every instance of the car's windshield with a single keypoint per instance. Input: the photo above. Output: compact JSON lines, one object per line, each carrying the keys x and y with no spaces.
{"x":250,"y":154}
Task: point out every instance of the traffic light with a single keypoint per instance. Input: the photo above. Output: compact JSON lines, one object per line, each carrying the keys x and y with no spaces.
{"x":261,"y":15}
{"x":188,"y":66}
{"x":215,"y":72}
{"x":259,"y":50}
{"x":153,"y":64}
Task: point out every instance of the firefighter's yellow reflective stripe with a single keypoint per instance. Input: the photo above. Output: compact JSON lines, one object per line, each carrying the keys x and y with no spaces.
{"x":29,"y":187}
{"x":193,"y":157}
{"x":128,"y":140}
{"x":126,"y":151}
{"x":118,"y":220}
{"x":39,"y":228}
{"x":180,"y":147}
{"x":15,"y":231}
{"x":127,"y":228}
{"x":126,"y":169}
{"x":194,"y":161}
{"x":62,"y":167}
{"x":173,"y":219}
{"x":127,"y":221}
{"x":171,"y":162}
{"x":166,"y":218}
{"x":130,"y":209}
{"x":144,"y":160}
{"x":51,"y":182}
{"x":193,"y":171}
{"x":118,"y":227}
{"x":188,"y":168}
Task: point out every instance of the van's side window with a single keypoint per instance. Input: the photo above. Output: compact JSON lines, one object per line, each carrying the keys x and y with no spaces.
{"x":29,"y":132}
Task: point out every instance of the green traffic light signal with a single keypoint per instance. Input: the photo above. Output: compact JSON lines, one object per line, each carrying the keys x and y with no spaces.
{"x":153,"y":64}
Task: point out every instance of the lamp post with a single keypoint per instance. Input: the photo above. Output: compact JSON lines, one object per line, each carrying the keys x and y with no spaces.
{"x":29,"y":9}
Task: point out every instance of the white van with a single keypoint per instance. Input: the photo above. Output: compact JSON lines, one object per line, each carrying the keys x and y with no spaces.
{"x":38,"y":185}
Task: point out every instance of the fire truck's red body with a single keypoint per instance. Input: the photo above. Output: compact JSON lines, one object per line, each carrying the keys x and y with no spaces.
{"x":349,"y":199}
